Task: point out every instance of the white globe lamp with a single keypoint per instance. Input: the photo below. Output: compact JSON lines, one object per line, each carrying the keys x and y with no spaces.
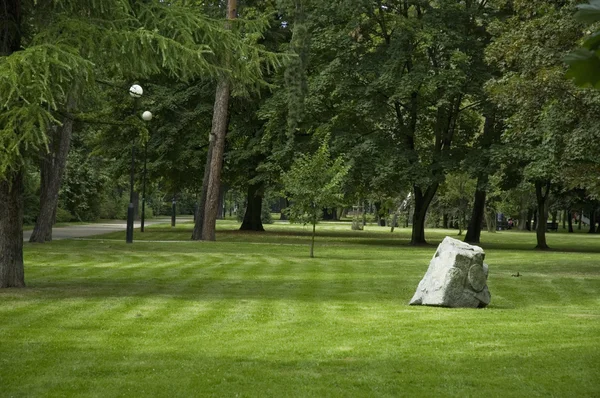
{"x":147,"y":116}
{"x":136,"y":91}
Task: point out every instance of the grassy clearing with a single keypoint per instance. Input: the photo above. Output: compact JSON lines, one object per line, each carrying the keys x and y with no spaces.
{"x":252,"y":315}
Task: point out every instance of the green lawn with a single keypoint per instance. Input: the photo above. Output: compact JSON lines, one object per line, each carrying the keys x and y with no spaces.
{"x":253,"y":315}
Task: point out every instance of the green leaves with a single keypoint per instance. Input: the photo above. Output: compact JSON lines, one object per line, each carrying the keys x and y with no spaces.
{"x":313,"y":183}
{"x":584,"y":63}
{"x":584,"y":67}
{"x":589,"y":13}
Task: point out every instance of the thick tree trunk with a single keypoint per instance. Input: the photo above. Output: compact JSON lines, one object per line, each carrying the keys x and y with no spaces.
{"x":197,"y":233}
{"x":12,"y":272}
{"x":542,"y":213}
{"x":422,"y":202}
{"x":445,"y":221}
{"x":218,"y":131}
{"x":252,"y":217}
{"x":52,"y":170}
{"x":207,"y":217}
{"x":570,"y":220}
{"x":474,"y":229}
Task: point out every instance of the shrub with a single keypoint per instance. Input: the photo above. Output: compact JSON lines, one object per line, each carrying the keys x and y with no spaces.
{"x":63,"y":215}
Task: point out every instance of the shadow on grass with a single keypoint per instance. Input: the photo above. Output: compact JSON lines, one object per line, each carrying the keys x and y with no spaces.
{"x":383,"y":288}
{"x":355,"y":238}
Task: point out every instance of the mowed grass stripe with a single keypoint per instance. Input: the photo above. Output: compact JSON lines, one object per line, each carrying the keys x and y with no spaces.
{"x":227,"y":318}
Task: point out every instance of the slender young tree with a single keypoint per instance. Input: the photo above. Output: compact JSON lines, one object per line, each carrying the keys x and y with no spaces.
{"x":313,"y":183}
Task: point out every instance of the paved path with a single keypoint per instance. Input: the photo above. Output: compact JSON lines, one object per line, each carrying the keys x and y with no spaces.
{"x":82,"y":231}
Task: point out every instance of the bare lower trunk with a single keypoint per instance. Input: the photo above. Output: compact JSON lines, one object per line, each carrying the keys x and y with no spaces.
{"x":542,"y":213}
{"x":219,"y":128}
{"x":52,"y":169}
{"x":592,"y":222}
{"x":252,"y":217}
{"x":523,"y":220}
{"x":11,"y":184}
{"x":12,"y":273}
{"x":490,"y":220}
{"x":206,"y":220}
{"x":474,"y":229}
{"x":422,"y":202}
{"x":284,"y":203}
{"x":197,"y":233}
{"x":570,"y":220}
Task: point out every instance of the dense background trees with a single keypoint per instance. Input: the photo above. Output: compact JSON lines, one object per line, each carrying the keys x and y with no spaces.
{"x":466,"y":104}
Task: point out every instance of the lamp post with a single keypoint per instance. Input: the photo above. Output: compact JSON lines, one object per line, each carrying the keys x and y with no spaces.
{"x":147,"y":116}
{"x":173,"y":211}
{"x":136,"y":92}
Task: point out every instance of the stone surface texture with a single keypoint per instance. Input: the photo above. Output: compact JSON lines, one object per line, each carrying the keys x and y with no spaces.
{"x":456,"y":277}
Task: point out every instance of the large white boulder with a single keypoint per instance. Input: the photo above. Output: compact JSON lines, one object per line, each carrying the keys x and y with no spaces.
{"x":456,"y":277}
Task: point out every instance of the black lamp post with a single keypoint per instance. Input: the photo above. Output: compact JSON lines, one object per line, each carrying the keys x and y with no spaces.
{"x":136,"y":92}
{"x":173,"y":212}
{"x":147,"y":116}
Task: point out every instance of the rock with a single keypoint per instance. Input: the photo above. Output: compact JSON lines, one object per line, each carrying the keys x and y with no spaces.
{"x":456,"y":277}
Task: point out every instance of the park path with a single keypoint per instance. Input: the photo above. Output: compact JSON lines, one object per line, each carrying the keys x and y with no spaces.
{"x":82,"y":231}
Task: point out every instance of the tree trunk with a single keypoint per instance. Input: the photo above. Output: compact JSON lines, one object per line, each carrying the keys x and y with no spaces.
{"x":284,"y":203}
{"x":252,"y":217}
{"x":221,"y":211}
{"x":218,"y":131}
{"x":422,"y":202}
{"x":474,"y":229}
{"x":580,"y":219}
{"x":570,"y":220}
{"x":564,"y":219}
{"x":11,"y":183}
{"x":523,"y":220}
{"x":445,"y":221}
{"x":197,"y":233}
{"x":542,"y":213}
{"x":592,"y":222}
{"x":207,"y":217}
{"x":136,"y":205}
{"x":12,"y":272}
{"x":52,"y":170}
